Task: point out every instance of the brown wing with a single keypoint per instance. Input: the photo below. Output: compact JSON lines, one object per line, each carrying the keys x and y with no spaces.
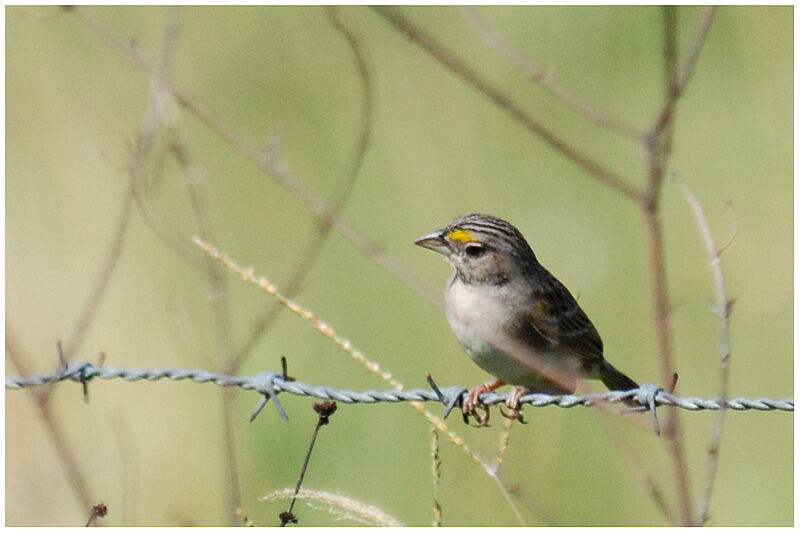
{"x":557,"y":317}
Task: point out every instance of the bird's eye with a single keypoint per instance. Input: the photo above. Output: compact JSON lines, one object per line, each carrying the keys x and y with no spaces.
{"x":474,"y":250}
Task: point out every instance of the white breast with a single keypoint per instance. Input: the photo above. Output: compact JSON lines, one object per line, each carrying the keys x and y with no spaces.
{"x":481,"y":322}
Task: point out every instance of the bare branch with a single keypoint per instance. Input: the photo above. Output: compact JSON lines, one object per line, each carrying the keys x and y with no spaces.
{"x":681,"y":76}
{"x":699,"y":38}
{"x":545,"y":79}
{"x":456,"y":65}
{"x":670,"y":21}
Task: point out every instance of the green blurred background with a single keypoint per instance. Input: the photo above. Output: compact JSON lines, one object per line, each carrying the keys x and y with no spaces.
{"x":154,"y":452}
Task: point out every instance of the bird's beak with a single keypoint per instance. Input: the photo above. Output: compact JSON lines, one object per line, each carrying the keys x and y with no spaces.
{"x":434,"y":241}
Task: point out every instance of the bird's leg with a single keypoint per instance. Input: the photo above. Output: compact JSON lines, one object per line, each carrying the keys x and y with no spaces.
{"x":513,"y":403}
{"x":472,"y":401}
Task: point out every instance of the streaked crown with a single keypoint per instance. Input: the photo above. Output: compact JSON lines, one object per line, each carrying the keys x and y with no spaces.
{"x":482,"y":248}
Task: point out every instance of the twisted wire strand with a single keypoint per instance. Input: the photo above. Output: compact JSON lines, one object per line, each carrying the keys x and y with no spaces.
{"x":269,"y":384}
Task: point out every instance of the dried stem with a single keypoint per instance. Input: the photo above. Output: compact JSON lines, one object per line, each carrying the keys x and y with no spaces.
{"x":722,"y":308}
{"x":545,"y":79}
{"x":325,"y":410}
{"x":456,"y":65}
{"x":436,"y":469}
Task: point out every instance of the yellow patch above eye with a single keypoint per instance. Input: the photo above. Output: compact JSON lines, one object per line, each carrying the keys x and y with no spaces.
{"x":461,"y":235}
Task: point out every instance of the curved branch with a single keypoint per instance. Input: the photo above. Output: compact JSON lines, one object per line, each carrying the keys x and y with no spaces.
{"x":457,"y":66}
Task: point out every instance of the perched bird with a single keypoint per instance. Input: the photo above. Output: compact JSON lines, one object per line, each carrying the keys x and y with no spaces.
{"x":513,"y":317}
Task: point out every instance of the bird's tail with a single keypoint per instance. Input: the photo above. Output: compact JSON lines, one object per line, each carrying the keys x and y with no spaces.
{"x":614,"y":379}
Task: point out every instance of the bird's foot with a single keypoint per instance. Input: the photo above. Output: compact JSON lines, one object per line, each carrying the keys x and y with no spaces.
{"x":472,"y":403}
{"x":513,"y":404}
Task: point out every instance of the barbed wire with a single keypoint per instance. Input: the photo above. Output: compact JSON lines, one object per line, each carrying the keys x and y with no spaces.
{"x":270,"y":384}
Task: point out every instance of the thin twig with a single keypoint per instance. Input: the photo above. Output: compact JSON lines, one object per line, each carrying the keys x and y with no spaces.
{"x":545,"y":78}
{"x":321,"y":233}
{"x":281,"y":175}
{"x":699,"y":38}
{"x":325,"y":410}
{"x":722,"y":308}
{"x":670,"y":19}
{"x":683,"y":74}
{"x":456,"y":65}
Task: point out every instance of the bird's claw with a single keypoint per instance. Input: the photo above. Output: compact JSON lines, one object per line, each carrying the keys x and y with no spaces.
{"x":513,"y":404}
{"x":472,"y":402}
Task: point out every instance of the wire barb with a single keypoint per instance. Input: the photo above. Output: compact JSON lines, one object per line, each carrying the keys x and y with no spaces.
{"x":265,"y":384}
{"x":451,"y":397}
{"x":646,"y":396}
